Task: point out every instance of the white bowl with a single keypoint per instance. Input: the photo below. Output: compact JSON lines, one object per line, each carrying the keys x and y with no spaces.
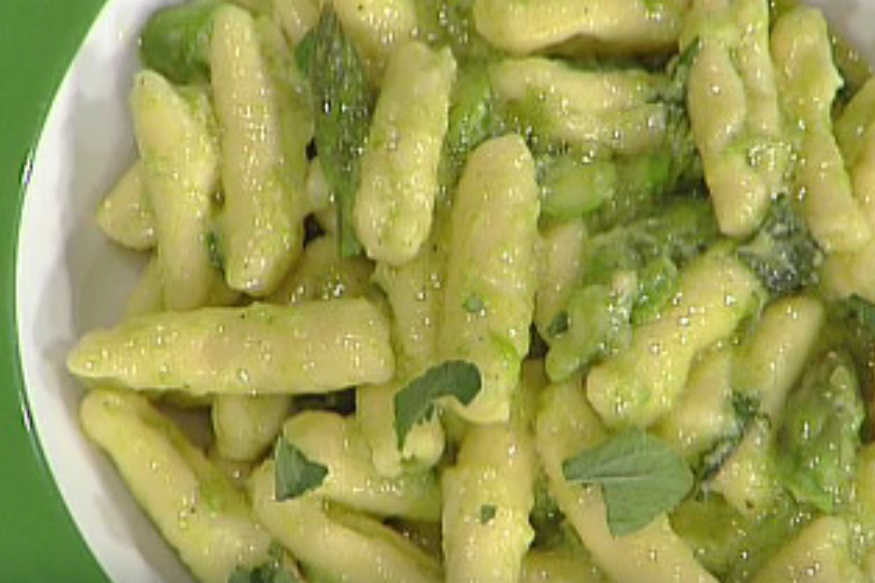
{"x":71,"y":280}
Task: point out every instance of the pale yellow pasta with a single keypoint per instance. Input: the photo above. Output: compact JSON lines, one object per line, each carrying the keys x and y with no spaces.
{"x":376,"y":27}
{"x":148,"y":296}
{"x":371,"y":552}
{"x":643,"y":383}
{"x":704,"y":413}
{"x":246,"y":426}
{"x":818,"y":554}
{"x":262,"y":221}
{"x":767,"y":367}
{"x":413,"y":291}
{"x":615,"y":111}
{"x":180,"y":160}
{"x":562,"y":252}
{"x":808,"y":82}
{"x":200,"y":513}
{"x":487,"y":498}
{"x":523,"y":26}
{"x":854,"y":123}
{"x":316,"y":347}
{"x":733,"y":108}
{"x":337,"y":443}
{"x":296,"y":17}
{"x":322,"y":274}
{"x":491,"y":272}
{"x":394,"y":205}
{"x":125,"y":215}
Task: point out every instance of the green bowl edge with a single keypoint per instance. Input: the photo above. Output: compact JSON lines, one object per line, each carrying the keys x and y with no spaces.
{"x":39,"y":541}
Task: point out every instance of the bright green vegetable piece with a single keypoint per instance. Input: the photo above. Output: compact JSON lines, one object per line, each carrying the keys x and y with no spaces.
{"x":474,"y":118}
{"x":820,"y":433}
{"x":343,"y":106}
{"x":628,"y":275}
{"x":314,"y":347}
{"x":783,"y":253}
{"x":571,"y":188}
{"x":596,"y":325}
{"x":176,"y":41}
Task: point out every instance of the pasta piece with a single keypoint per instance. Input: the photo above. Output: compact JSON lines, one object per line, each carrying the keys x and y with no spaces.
{"x":487,"y":500}
{"x":352,"y":480}
{"x":641,"y":384}
{"x":819,"y":554}
{"x":126,"y":215}
{"x":296,"y":17}
{"x":180,"y":160}
{"x":522,"y":26}
{"x":559,"y":566}
{"x":315,"y":347}
{"x":322,"y":274}
{"x":854,"y":123}
{"x":377,"y":27}
{"x":734,"y":113}
{"x":704,"y":414}
{"x":336,"y":545}
{"x":246,"y":426}
{"x":414,"y":294}
{"x":773,"y":359}
{"x":399,"y":167}
{"x":195,"y":507}
{"x":808,"y":82}
{"x":491,"y":272}
{"x":263,"y":157}
{"x":617,"y":111}
{"x":565,"y":425}
{"x":562,"y":262}
{"x":766,"y":368}
{"x":147,"y":297}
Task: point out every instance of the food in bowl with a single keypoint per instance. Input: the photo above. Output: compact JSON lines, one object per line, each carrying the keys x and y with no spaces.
{"x":496,"y":291}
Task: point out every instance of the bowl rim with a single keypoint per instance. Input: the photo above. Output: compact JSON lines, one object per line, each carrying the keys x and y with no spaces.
{"x":35,"y":518}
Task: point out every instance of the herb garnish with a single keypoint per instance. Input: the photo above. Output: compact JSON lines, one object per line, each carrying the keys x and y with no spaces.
{"x":295,"y":473}
{"x":641,"y":477}
{"x":416,"y":402}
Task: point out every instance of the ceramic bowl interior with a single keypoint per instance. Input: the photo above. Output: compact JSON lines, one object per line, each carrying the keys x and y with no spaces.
{"x":71,"y":280}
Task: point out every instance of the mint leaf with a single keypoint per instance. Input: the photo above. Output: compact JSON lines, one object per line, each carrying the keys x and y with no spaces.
{"x":487,"y":513}
{"x":473,"y":305}
{"x":295,"y":474}
{"x":343,"y":104}
{"x":641,"y":477}
{"x":415,"y":402}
